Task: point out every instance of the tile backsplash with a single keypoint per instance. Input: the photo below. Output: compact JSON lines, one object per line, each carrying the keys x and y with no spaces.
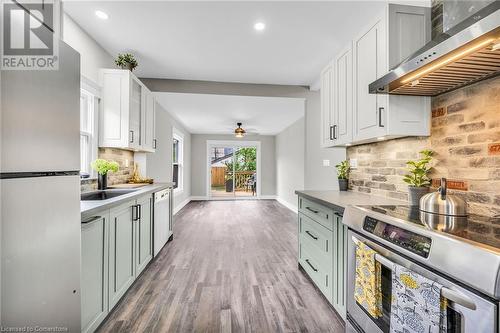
{"x":465,"y":136}
{"x":124,"y":158}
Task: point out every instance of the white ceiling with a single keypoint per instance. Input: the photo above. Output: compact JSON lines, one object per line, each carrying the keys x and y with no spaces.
{"x":218,"y":114}
{"x":216,"y":41}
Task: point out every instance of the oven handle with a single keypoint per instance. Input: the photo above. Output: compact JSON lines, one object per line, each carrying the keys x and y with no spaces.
{"x":449,"y":294}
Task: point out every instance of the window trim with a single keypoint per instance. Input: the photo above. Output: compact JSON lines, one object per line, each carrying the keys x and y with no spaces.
{"x":91,"y":89}
{"x":179,"y":136}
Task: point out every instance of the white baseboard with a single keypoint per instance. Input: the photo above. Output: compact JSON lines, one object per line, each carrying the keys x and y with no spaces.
{"x":179,"y":206}
{"x":199,"y":198}
{"x":268,"y":197}
{"x":288,"y":205}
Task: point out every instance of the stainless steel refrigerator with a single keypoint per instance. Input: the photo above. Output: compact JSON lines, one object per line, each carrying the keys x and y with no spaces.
{"x":40,"y":195}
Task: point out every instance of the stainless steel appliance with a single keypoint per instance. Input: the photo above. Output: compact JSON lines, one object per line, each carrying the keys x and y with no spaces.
{"x":466,"y":53}
{"x":465,"y":262}
{"x":40,"y":195}
{"x":163,"y":228}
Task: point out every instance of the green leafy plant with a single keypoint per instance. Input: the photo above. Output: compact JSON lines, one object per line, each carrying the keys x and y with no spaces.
{"x":419,"y":170}
{"x":343,"y":169}
{"x":103,"y":166}
{"x":126,"y":60}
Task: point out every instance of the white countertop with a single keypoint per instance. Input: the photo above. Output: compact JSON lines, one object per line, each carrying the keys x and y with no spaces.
{"x":338,"y":200}
{"x":93,"y":206}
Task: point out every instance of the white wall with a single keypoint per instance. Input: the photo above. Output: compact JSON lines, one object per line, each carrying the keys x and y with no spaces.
{"x":290,"y":153}
{"x":92,"y":55}
{"x":199,"y":172}
{"x":159,"y":164}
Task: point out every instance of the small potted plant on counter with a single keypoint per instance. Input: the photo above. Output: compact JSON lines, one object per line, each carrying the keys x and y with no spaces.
{"x":103,"y":167}
{"x":343,"y":170}
{"x":126,"y":61}
{"x":418,"y":177}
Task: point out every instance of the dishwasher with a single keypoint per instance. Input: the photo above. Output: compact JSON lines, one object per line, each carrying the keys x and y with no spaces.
{"x":163,"y":224}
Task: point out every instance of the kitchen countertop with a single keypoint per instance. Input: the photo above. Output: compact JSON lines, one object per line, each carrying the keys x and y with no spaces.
{"x":338,"y":200}
{"x":94,"y":206}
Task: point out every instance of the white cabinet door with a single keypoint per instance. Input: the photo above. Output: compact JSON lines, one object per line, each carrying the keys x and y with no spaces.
{"x":148,"y":123}
{"x":370,"y":62}
{"x":114,"y":113}
{"x":136,"y":105}
{"x":342,"y":99}
{"x":327,"y":121}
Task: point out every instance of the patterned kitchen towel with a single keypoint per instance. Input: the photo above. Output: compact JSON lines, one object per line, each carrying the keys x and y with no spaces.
{"x":417,"y":305}
{"x":368,"y":287}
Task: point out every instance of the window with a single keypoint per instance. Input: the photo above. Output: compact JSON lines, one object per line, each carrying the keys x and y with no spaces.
{"x":177,"y":160}
{"x":88,"y":130}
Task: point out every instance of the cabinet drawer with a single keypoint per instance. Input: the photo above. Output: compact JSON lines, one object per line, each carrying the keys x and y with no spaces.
{"x":317,"y":212}
{"x":315,"y":234}
{"x":315,"y":268}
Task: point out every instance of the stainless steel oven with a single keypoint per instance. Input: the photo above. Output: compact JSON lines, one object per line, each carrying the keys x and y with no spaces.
{"x":468,"y":310}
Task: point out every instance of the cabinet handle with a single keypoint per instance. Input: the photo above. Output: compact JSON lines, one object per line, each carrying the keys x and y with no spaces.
{"x":92,"y":219}
{"x":312,"y":236}
{"x":314,"y":269}
{"x":331,"y":132}
{"x":139,"y":212}
{"x":380,"y":110}
{"x":154,"y":143}
{"x":135,"y":212}
{"x":131,"y":135}
{"x":312,"y":210}
{"x":334,"y":132}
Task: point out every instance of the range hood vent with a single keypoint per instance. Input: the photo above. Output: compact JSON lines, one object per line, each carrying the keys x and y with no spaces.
{"x":465,"y":54}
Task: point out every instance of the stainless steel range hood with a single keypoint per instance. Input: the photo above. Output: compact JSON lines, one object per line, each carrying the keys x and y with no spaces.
{"x":467,"y":53}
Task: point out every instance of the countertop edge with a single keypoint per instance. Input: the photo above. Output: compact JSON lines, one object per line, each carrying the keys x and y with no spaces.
{"x":329,"y":204}
{"x":99,"y":206}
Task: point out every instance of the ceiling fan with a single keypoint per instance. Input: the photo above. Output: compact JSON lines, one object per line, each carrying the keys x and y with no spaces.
{"x":239,"y":132}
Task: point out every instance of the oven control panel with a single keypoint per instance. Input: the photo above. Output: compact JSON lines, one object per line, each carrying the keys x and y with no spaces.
{"x":413,"y":242}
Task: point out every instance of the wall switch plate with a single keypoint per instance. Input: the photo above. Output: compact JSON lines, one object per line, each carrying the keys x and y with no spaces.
{"x":326,"y":163}
{"x":353,"y":162}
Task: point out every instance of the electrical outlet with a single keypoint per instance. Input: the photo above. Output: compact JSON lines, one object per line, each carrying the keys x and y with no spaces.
{"x":353,"y":162}
{"x":326,"y":163}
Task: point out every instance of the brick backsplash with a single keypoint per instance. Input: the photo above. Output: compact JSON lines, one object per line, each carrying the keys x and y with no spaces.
{"x":118,"y":155}
{"x":465,"y":136}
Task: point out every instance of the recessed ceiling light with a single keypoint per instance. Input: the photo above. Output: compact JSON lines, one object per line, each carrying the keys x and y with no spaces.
{"x":102,"y":15}
{"x":259,"y":26}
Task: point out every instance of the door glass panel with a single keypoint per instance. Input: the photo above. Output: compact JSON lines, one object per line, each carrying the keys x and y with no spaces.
{"x":221,"y":171}
{"x":245,"y":172}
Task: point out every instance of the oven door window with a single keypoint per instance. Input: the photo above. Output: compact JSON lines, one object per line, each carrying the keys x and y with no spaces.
{"x":455,"y":319}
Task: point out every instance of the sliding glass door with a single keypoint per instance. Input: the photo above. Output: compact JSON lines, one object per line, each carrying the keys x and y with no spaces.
{"x":233,"y":171}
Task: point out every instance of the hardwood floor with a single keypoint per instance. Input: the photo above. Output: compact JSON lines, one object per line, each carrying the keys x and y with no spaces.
{"x":232,"y":267}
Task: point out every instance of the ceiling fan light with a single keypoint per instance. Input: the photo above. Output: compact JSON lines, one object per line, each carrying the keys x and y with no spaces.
{"x":239,"y":132}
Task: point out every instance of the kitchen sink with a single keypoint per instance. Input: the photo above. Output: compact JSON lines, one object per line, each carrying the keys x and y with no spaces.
{"x":104,"y":194}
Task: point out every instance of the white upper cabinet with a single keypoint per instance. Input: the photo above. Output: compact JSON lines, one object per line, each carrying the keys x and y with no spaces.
{"x":342,"y":98}
{"x":148,"y":141}
{"x":399,"y":32}
{"x":350,"y":114}
{"x":127,"y":112}
{"x":327,"y":121}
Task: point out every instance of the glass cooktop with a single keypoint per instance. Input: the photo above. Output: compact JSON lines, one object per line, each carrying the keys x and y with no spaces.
{"x":477,"y":228}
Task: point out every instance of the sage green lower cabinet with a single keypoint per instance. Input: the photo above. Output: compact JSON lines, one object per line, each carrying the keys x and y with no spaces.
{"x":323,"y":249}
{"x":339,"y":266}
{"x":144,"y":233}
{"x":121,"y":254}
{"x":94,"y":272}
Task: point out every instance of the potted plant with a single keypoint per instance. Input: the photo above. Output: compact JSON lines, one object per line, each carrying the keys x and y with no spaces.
{"x":126,"y":61}
{"x":418,"y":177}
{"x":343,"y":169}
{"x":103,"y":167}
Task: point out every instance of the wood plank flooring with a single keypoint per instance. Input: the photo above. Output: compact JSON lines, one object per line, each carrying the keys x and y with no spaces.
{"x":232,"y":267}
